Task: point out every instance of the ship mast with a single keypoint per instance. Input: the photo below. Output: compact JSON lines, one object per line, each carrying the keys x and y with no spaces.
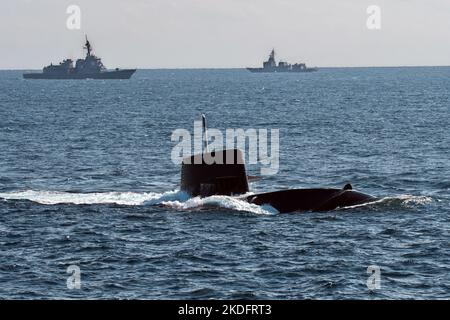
{"x":272,"y":54}
{"x":88,"y":47}
{"x":271,"y":61}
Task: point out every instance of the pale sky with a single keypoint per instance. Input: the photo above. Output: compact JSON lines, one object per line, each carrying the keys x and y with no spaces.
{"x":226,"y":33}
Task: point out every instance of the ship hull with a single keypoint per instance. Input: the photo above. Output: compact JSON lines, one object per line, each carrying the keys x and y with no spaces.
{"x":114,"y":74}
{"x":262,"y":70}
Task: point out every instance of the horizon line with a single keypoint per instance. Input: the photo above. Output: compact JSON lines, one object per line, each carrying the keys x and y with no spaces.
{"x":244,"y":68}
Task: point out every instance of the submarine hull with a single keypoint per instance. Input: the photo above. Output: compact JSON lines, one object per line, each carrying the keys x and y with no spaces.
{"x":323,"y":199}
{"x":113,"y":74}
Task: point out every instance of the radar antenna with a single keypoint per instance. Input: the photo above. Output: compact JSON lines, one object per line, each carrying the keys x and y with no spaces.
{"x":88,"y":47}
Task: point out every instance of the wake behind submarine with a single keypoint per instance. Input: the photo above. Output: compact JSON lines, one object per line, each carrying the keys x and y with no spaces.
{"x":201,"y":178}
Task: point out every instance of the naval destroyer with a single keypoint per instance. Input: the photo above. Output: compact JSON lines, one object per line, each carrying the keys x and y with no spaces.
{"x":90,"y":67}
{"x":271,"y":66}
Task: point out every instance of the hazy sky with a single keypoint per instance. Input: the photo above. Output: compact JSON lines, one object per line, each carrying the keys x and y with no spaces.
{"x":226,"y":33}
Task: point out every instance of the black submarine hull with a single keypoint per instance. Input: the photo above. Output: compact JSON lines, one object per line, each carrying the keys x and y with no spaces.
{"x":113,"y":74}
{"x":320,"y":199}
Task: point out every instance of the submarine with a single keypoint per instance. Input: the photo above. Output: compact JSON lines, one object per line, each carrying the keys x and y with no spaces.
{"x":200,"y":177}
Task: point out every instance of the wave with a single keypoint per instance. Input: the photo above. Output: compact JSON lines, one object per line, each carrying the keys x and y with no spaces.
{"x":404,"y":200}
{"x":175,"y":199}
{"x":121,"y":198}
{"x":221,"y":202}
{"x":179,"y":200}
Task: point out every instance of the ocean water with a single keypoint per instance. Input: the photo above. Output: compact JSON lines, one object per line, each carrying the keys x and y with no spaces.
{"x":86,"y":179}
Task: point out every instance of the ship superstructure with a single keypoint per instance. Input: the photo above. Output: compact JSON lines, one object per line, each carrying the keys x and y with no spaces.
{"x":271,"y":66}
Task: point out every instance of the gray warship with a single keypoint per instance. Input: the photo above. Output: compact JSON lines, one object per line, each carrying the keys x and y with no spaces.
{"x":271,"y":66}
{"x":89,"y":68}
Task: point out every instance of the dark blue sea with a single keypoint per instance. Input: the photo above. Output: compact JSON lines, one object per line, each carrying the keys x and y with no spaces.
{"x":86,"y":180}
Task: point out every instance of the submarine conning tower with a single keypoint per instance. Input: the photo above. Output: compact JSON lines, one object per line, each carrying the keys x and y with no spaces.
{"x":214,"y":173}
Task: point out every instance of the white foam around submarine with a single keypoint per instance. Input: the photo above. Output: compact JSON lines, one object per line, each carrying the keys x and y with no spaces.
{"x":403,"y":200}
{"x":409,"y":199}
{"x":231,"y":203}
{"x":121,"y":198}
{"x":176,"y":199}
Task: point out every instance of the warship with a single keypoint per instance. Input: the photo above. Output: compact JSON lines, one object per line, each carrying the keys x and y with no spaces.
{"x":271,"y":66}
{"x":90,"y":67}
